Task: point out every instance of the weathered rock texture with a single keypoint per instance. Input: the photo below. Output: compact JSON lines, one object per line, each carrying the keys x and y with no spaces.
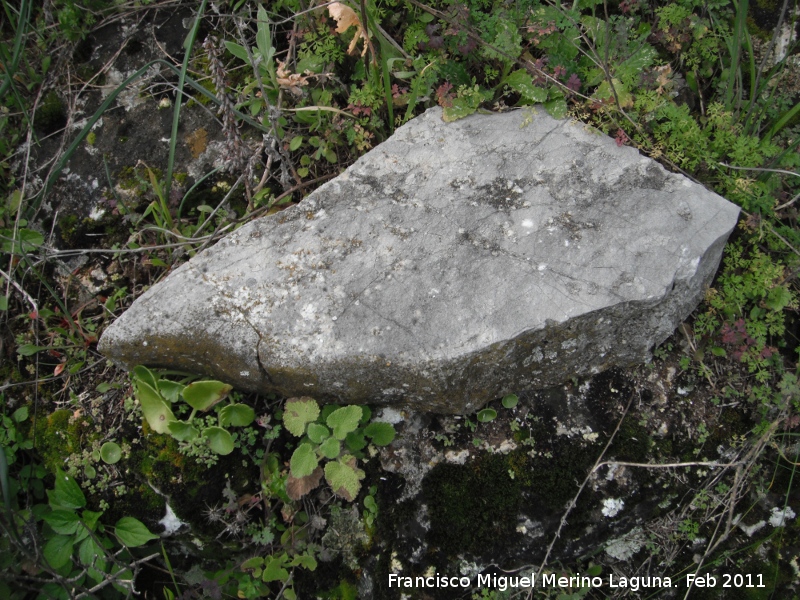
{"x":450,"y":265}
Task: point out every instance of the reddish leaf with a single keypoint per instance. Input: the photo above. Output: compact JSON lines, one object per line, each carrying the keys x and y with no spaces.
{"x":297,"y":487}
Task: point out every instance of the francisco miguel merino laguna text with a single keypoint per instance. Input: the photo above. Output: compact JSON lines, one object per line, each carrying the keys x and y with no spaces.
{"x":547,"y":580}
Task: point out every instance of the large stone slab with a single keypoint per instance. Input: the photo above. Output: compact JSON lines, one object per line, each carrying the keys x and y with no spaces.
{"x":450,"y":265}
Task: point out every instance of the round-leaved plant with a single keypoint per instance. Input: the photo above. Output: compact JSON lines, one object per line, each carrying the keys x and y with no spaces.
{"x":344,"y":420}
{"x":303,"y":461}
{"x":298,"y":413}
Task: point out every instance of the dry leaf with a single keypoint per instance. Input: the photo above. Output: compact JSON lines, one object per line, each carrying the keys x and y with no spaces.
{"x":664,"y":78}
{"x":291,"y":81}
{"x":345,"y":19}
{"x":297,"y":487}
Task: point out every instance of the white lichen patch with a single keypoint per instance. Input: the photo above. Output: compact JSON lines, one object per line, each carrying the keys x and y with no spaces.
{"x":612,"y":507}
{"x":625,"y":547}
{"x":779,"y":516}
{"x":457,"y":457}
{"x":97,"y":211}
{"x":749,"y":530}
{"x":390,"y":415}
{"x":584,"y":432}
{"x":396,"y":566}
{"x":170,"y":522}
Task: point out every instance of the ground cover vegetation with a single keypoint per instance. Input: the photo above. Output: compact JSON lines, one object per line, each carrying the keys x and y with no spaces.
{"x":298,"y":91}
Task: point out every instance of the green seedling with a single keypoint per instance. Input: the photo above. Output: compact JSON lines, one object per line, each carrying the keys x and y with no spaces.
{"x":335,"y":435}
{"x":486,"y":415}
{"x":110,"y":452}
{"x":156,"y":395}
{"x":510,"y":401}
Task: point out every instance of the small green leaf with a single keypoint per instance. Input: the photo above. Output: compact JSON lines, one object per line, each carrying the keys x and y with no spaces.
{"x":304,"y":560}
{"x":263,"y":36}
{"x":344,"y":477}
{"x":142,"y":373}
{"x":63,"y":521}
{"x":298,"y":413}
{"x":132,"y":532}
{"x":273,"y":569}
{"x":58,"y":551}
{"x":317,"y":433}
{"x":90,"y":553}
{"x":355,"y":440}
{"x":486,"y":415}
{"x":510,"y":401}
{"x":219,"y":440}
{"x":237,"y":50}
{"x":778,"y":298}
{"x":382,"y":434}
{"x":252,"y":563}
{"x":330,"y":448}
{"x":556,"y":108}
{"x":171,"y":390}
{"x":296,"y":142}
{"x":303,"y":461}
{"x":183,"y":431}
{"x":110,"y":452}
{"x":717,"y":351}
{"x":370,"y":504}
{"x":25,"y":240}
{"x":344,"y":420}
{"x":29,"y":349}
{"x":19,"y":415}
{"x":3,"y":302}
{"x":154,"y":407}
{"x":67,"y":493}
{"x":202,"y":395}
{"x":522,"y":82}
{"x":236,"y":415}
{"x":90,"y":518}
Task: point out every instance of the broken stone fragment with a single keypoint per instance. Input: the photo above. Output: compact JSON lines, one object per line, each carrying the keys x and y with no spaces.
{"x":450,"y":265}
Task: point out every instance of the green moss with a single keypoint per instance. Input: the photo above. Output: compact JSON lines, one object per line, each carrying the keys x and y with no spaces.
{"x":632,"y":443}
{"x":207,"y":83}
{"x":79,"y":233}
{"x":519,"y":463}
{"x":556,"y":473}
{"x":69,"y":225}
{"x":51,"y":114}
{"x":473,"y":508}
{"x":59,"y":435}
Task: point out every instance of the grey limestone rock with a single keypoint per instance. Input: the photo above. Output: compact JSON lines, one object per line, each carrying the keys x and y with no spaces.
{"x":450,"y":265}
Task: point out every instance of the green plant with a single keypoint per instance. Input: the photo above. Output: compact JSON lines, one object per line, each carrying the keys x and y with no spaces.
{"x":486,"y":415}
{"x":510,"y":401}
{"x":68,"y":547}
{"x":371,"y":507}
{"x":157,"y":395}
{"x":322,"y":436}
